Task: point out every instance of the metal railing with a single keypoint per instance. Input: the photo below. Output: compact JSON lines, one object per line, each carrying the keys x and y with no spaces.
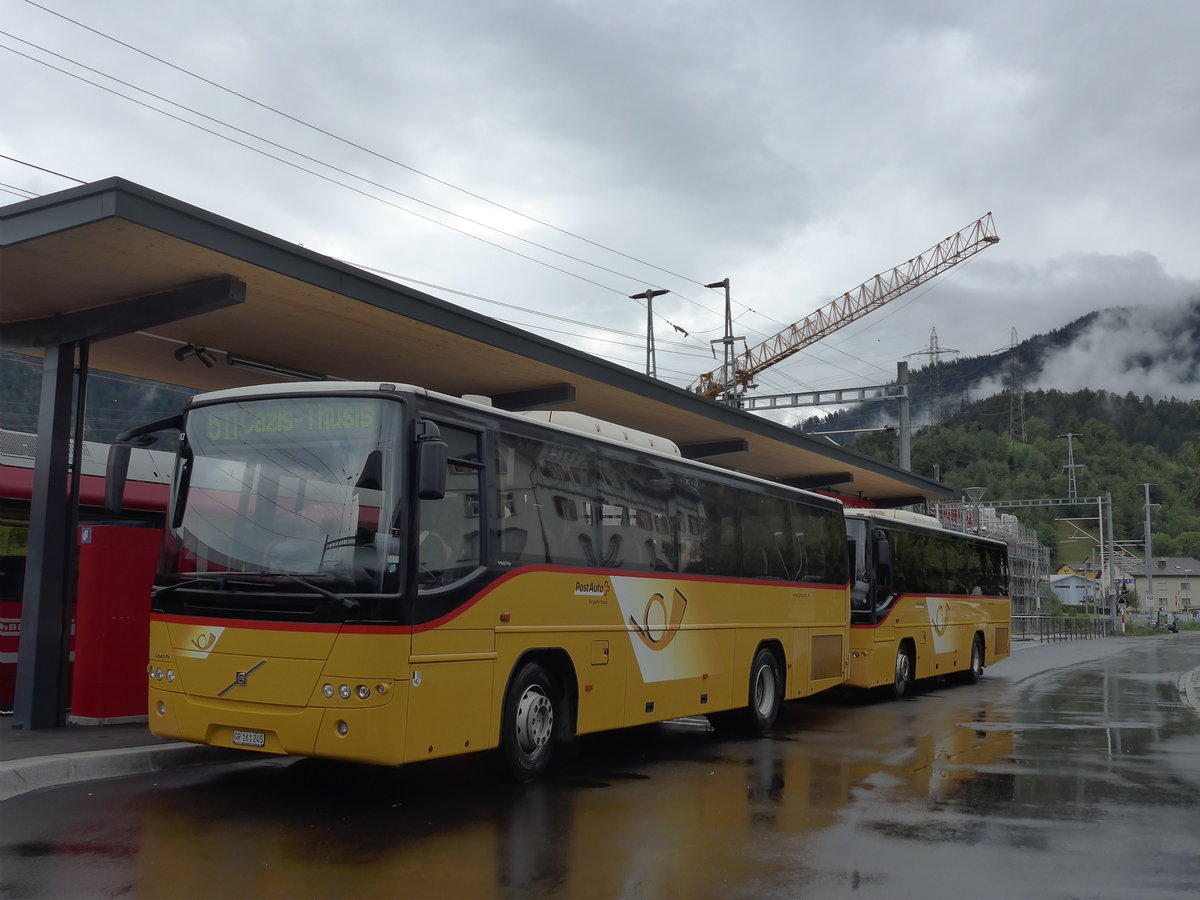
{"x":1061,"y":628}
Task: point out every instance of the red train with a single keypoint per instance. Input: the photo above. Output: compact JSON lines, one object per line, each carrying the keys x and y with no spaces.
{"x":117,"y":545}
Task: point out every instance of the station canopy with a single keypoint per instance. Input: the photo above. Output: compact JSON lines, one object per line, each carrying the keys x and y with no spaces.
{"x":148,"y":280}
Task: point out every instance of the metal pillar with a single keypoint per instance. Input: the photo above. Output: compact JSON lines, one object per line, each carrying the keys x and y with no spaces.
{"x":1149,"y":561}
{"x":905,"y":417}
{"x":41,"y":687}
{"x":41,"y":662}
{"x":730,"y":393}
{"x":1112,"y":573}
{"x":651,"y":357}
{"x":1071,"y":466}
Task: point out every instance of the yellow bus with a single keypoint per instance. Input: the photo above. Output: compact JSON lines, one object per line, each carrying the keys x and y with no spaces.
{"x":379,"y":573}
{"x":924,"y":600}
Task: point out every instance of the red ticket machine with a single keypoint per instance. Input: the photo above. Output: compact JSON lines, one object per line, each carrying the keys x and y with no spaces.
{"x":112,"y":623}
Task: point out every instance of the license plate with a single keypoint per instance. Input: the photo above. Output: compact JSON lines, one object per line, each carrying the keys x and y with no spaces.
{"x":249,"y":739}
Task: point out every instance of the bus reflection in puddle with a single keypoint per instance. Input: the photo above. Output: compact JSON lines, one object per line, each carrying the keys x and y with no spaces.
{"x":655,"y":812}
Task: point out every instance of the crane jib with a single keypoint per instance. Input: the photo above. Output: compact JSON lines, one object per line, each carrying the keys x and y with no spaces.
{"x":850,"y":306}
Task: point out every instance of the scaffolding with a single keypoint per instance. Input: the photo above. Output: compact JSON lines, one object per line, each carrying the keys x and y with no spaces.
{"x":1028,"y":558}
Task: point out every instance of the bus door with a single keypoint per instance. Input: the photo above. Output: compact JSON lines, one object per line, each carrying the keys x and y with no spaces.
{"x":872,"y":567}
{"x":861,"y":576}
{"x":875,"y":606}
{"x":453,"y":644}
{"x":883,"y":583}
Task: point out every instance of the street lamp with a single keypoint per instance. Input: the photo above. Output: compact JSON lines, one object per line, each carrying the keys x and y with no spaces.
{"x":727,"y":376}
{"x":651,"y":359}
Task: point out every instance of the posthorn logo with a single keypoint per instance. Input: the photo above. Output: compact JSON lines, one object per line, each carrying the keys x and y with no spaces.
{"x":660,"y":625}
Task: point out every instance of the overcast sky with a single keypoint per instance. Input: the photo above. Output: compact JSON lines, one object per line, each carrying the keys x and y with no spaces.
{"x":798,"y":148}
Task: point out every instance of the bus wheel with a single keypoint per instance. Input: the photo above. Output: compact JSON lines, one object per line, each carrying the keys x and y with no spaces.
{"x":766,"y":692}
{"x":527,"y":740}
{"x":902,"y":684}
{"x":764,"y":698}
{"x":973,"y":674}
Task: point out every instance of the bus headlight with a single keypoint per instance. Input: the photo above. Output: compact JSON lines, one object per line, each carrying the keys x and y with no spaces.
{"x":344,"y":692}
{"x":364,"y":692}
{"x":327,"y":692}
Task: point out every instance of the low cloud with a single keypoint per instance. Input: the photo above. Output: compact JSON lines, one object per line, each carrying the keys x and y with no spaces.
{"x":1154,"y":352}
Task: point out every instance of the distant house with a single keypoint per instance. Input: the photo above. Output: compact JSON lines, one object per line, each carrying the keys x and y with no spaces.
{"x":1085,"y":569}
{"x":1175,"y":584}
{"x":1074,"y":590}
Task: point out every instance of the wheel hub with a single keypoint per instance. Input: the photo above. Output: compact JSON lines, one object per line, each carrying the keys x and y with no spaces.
{"x":764,"y":690}
{"x":535,"y":720}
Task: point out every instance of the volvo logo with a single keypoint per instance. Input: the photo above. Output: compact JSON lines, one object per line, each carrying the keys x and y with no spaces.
{"x":240,"y":679}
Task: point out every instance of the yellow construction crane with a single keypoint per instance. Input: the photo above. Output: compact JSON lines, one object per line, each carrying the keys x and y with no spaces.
{"x":735,"y":376}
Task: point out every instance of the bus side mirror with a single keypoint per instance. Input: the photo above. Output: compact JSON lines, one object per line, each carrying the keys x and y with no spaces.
{"x":116,"y":472}
{"x":883,"y":552}
{"x":432,"y":455}
{"x":883,"y":560}
{"x":117,"y":469}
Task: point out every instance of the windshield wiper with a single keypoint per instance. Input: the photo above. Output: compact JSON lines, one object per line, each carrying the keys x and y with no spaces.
{"x":223,"y":581}
{"x":218,"y":580}
{"x":348,"y":602}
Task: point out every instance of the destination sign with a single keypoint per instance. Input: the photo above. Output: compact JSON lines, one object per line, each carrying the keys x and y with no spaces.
{"x":293,"y":418}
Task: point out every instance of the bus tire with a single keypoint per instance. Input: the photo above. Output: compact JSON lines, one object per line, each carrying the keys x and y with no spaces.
{"x":902,"y":682}
{"x":764,"y":697}
{"x":975,"y":672}
{"x":532,"y":709}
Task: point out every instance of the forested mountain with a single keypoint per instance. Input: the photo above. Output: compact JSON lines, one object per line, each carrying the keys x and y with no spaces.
{"x":1120,"y":442}
{"x":1153,"y":353}
{"x":1113,"y":378}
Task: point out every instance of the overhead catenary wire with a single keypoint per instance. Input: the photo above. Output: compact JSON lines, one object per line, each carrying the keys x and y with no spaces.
{"x":384,"y":187}
{"x":357,"y":146}
{"x":465,"y":294}
{"x":41,"y":169}
{"x":385,"y":158}
{"x":316,"y":161}
{"x":425,"y":284}
{"x":17,"y":192}
{"x":312,"y":159}
{"x":362,"y":148}
{"x":619,"y":291}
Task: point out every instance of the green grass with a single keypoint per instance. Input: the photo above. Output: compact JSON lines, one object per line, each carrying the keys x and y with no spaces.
{"x":1144,"y":630}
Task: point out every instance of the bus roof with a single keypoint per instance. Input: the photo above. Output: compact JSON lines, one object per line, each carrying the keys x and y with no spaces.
{"x":556,"y":420}
{"x":908,"y":517}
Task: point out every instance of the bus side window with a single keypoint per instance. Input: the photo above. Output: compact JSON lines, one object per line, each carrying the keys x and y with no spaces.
{"x":545,"y":502}
{"x":634,"y":498}
{"x":449,"y":528}
{"x":886,"y":583}
{"x":860,"y":578}
{"x":717,"y":550}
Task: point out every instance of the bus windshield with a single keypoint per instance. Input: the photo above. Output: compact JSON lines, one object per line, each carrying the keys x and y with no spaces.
{"x":303,"y":492}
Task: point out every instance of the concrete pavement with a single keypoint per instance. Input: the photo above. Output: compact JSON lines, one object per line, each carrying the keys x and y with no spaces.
{"x":30,"y":760}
